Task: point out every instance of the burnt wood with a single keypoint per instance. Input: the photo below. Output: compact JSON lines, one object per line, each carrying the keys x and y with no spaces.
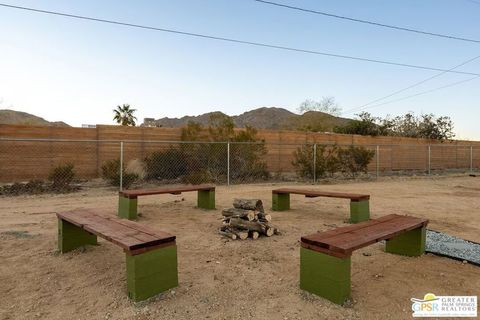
{"x":313,"y":194}
{"x":133,"y":237}
{"x":133,"y":194}
{"x":341,"y":242}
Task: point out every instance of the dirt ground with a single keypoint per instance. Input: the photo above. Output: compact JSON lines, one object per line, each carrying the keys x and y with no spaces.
{"x":225,"y":279}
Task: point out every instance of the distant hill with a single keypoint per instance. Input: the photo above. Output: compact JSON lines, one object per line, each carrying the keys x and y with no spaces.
{"x":18,"y":117}
{"x":262,"y":118}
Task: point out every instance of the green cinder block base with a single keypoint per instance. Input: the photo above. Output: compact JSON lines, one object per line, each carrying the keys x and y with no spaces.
{"x":325,"y":275}
{"x":151,"y":273}
{"x":359,"y":211}
{"x":280,"y":201}
{"x":71,"y":237}
{"x":206,"y":199}
{"x":411,"y":243}
{"x":127,"y":208}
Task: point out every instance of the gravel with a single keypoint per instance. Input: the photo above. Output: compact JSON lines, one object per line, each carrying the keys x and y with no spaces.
{"x":450,"y":246}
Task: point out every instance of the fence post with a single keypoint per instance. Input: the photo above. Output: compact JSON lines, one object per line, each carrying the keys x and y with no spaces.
{"x":471,"y":158}
{"x":121,"y":165}
{"x":314,"y":163}
{"x":228,"y":163}
{"x":378,"y":160}
{"x":429,"y":159}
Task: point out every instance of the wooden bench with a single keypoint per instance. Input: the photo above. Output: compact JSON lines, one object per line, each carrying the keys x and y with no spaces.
{"x":359,"y":203}
{"x":325,"y":256}
{"x":128,"y":199}
{"x":151,"y":256}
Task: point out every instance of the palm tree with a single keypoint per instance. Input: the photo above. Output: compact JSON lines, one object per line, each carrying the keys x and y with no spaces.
{"x":124,"y":115}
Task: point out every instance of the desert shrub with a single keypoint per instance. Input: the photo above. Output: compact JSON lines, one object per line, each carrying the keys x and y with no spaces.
{"x":247,"y":157}
{"x":326,"y":161}
{"x":136,"y":166}
{"x":354,"y":160}
{"x":111,"y":173}
{"x":303,"y":162}
{"x":19,"y":188}
{"x":62,"y":176}
{"x":207,"y":161}
{"x":166,"y":165}
{"x":198,"y":177}
{"x":35,"y":187}
{"x":331,"y":159}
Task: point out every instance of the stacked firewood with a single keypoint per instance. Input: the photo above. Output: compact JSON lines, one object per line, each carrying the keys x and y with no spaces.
{"x":246,"y":219}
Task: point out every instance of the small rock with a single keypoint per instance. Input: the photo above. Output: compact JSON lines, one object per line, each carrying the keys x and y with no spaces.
{"x":367,"y":254}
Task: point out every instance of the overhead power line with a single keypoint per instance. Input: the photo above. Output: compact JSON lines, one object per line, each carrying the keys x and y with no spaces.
{"x":424,"y":92}
{"x":410,"y":86}
{"x":231,"y":40}
{"x":378,"y":24}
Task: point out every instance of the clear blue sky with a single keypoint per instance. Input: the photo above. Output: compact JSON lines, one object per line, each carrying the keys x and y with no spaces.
{"x":78,"y":71}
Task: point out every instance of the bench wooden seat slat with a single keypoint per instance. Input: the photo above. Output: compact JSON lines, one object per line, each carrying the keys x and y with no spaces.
{"x":112,"y":231}
{"x":353,"y":240}
{"x":126,"y":234}
{"x":335,"y":232}
{"x":126,"y":240}
{"x":313,"y":193}
{"x":345,"y":240}
{"x":173,"y":190}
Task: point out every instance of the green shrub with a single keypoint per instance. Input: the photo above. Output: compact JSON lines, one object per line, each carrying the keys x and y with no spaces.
{"x":326,"y":161}
{"x":303,"y":162}
{"x":166,"y":165}
{"x":208,"y":160}
{"x":62,"y":176}
{"x":198,"y":177}
{"x":36,"y":187}
{"x":111,"y":173}
{"x":354,"y":160}
{"x":331,"y":159}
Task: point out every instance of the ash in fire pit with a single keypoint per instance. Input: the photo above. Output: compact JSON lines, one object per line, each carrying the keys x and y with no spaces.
{"x":246,"y":219}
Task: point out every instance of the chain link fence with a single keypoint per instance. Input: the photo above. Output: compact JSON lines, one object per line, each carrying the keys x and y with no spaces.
{"x":34,"y":165}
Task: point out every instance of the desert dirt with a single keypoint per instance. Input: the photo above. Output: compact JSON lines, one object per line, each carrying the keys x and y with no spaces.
{"x":226,"y":279}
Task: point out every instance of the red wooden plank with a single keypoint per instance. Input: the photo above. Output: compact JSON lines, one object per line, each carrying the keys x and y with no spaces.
{"x":357,"y":239}
{"x":169,"y":190}
{"x":323,"y":250}
{"x":314,"y":193}
{"x":127,"y":234}
{"x":344,"y":240}
{"x":321,"y":236}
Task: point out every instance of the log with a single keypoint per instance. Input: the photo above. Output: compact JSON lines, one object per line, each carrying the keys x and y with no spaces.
{"x":228,"y":234}
{"x":270,"y":232}
{"x":238,"y":213}
{"x":248,"y":204}
{"x":241,"y":234}
{"x":262,"y":216}
{"x":260,"y":227}
{"x":254,"y":235}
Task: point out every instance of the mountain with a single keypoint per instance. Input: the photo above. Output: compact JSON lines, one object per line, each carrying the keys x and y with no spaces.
{"x":262,"y":118}
{"x":18,"y":117}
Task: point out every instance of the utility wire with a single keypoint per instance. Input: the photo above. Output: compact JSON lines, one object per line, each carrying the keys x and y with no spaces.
{"x":378,"y":24}
{"x":410,"y":86}
{"x":231,"y":40}
{"x":423,"y":92}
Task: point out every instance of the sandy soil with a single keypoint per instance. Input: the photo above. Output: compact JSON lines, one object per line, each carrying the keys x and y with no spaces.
{"x":222,"y":279}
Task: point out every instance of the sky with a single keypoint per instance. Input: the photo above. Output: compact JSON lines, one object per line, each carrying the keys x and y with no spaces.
{"x":77,"y":71}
